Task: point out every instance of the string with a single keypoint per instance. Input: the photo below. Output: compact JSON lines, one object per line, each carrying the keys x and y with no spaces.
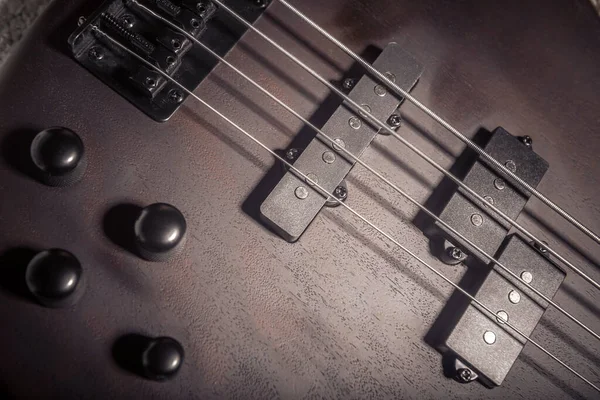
{"x":364,"y":113}
{"x":497,"y":319}
{"x":339,"y":150}
{"x":398,"y":90}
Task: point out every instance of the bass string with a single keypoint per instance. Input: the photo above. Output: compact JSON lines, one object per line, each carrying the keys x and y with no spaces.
{"x":373,"y":121}
{"x":398,"y":90}
{"x":343,"y":151}
{"x":498,"y":320}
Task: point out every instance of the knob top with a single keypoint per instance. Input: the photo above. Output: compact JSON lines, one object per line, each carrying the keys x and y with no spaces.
{"x":52,"y":276}
{"x":57,"y":151}
{"x":162,"y":358}
{"x":159,"y":228}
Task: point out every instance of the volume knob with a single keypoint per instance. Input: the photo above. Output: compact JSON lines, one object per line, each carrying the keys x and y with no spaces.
{"x":54,"y":278}
{"x":159,"y":232}
{"x":58,"y":156}
{"x":162,"y":358}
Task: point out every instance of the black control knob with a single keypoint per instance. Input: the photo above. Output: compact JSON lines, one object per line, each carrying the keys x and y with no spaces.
{"x":55,"y":278}
{"x":58,"y":156}
{"x":159,"y":232}
{"x":162,"y":358}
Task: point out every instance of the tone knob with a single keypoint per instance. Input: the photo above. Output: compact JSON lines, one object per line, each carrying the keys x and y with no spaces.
{"x":162,"y":358}
{"x":159,"y":232}
{"x":58,"y":156}
{"x":55,"y":278}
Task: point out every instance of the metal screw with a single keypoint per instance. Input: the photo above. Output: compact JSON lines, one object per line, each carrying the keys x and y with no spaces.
{"x":348,"y":83}
{"x":395,"y":120}
{"x":301,"y":192}
{"x":489,"y":337}
{"x":541,"y":248}
{"x":175,"y":96}
{"x":195,"y":23}
{"x":489,"y":199}
{"x":96,"y":53}
{"x":502,"y":316}
{"x":328,"y":157}
{"x":81,"y":21}
{"x":526,"y":140}
{"x":465,"y":375}
{"x":355,"y":123}
{"x":476,"y":219}
{"x":527,"y":276}
{"x":176,"y":43}
{"x":201,"y":8}
{"x":128,"y":21}
{"x":514,"y":296}
{"x":261,"y":3}
{"x":455,"y":253}
{"x":150,"y":82}
{"x":312,"y":178}
{"x":511,"y":166}
{"x":340,"y":193}
{"x":292,"y":154}
{"x":380,"y":90}
{"x":390,"y":76}
{"x":499,"y":184}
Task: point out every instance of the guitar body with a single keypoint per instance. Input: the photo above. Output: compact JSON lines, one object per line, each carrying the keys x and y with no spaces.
{"x":341,"y":312}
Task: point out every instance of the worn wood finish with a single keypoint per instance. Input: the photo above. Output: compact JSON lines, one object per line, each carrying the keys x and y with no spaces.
{"x":340,"y":313}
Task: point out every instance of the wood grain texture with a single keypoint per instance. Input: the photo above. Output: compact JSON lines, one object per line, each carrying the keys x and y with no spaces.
{"x":341,"y":313}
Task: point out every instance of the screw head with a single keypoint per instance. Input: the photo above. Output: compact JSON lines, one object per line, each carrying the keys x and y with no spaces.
{"x":340,"y":192}
{"x":455,"y":253}
{"x":312,"y":179}
{"x":292,"y":154}
{"x":395,"y":120}
{"x":526,"y":140}
{"x":175,"y":96}
{"x":489,"y":199}
{"x":354,"y":123}
{"x":348,"y":83}
{"x":339,"y":144}
{"x":542,"y":248}
{"x":464,"y":375}
{"x":514,"y":296}
{"x":96,"y":53}
{"x":201,"y":7}
{"x":261,"y":3}
{"x":150,"y":82}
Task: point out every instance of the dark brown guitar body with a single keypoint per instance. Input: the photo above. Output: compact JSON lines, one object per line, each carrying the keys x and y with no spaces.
{"x":340,"y":313}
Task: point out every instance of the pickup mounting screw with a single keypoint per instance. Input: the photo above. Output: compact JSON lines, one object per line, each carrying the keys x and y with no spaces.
{"x":502,"y":316}
{"x":465,"y":375}
{"x":526,"y":140}
{"x":348,"y":83}
{"x":514,"y":296}
{"x":292,"y":154}
{"x":176,"y":43}
{"x":395,"y":121}
{"x":527,"y":276}
{"x":380,"y":90}
{"x":195,"y":23}
{"x":175,"y":96}
{"x":201,"y":7}
{"x":541,"y":247}
{"x":329,"y":157}
{"x":455,"y":253}
{"x":96,"y":53}
{"x":340,"y":193}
